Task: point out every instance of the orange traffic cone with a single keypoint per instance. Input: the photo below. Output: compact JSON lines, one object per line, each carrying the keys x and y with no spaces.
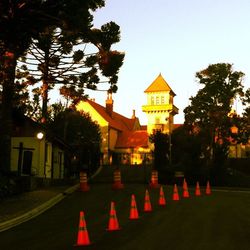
{"x":133,"y":209}
{"x":154,"y":179}
{"x":147,"y":203}
{"x":83,"y":236}
{"x":185,"y":193}
{"x":176,"y":194}
{"x":208,"y":189}
{"x":184,"y":185}
{"x":162,"y":200}
{"x":117,"y":180}
{"x":113,"y":221}
{"x":197,"y":189}
{"x":84,"y":182}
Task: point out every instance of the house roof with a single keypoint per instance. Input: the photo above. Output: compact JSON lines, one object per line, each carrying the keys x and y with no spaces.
{"x":115,"y":121}
{"x":159,"y":85}
{"x":128,"y":137}
{"x":132,"y":139}
{"x":177,"y":125}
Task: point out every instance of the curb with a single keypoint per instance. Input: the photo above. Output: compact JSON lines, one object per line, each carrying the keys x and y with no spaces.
{"x":96,"y":173}
{"x":36,"y":211}
{"x":231,"y":191}
{"x":41,"y":208}
{"x":71,"y":189}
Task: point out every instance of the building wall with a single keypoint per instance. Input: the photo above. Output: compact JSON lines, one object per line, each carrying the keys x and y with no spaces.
{"x":41,"y":159}
{"x":158,"y":98}
{"x":109,"y":138}
{"x":113,"y":134}
{"x":134,"y":156}
{"x":104,"y":126}
{"x":160,"y":111}
{"x":58,"y":163}
{"x":48,"y":160}
{"x":95,"y":116}
{"x":32,"y":145}
{"x":40,"y":154}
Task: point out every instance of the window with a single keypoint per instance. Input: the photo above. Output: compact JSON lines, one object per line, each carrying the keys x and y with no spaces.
{"x":152,"y":100}
{"x":157,"y":101}
{"x":157,"y":120}
{"x":162,"y":99}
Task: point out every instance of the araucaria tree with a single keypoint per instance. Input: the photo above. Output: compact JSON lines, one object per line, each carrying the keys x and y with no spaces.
{"x":208,"y":114}
{"x":72,"y":60}
{"x":22,"y":22}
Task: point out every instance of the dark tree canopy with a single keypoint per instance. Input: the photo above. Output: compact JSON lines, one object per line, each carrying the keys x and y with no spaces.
{"x":20,"y":23}
{"x":81,"y":133}
{"x":56,"y":58}
{"x":208,"y":113}
{"x":162,"y":156}
{"x":186,"y":151}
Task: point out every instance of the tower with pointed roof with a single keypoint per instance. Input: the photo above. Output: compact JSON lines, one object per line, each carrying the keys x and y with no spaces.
{"x":160,"y":107}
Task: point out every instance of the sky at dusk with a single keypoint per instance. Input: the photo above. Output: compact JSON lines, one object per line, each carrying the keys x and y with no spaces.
{"x":176,"y":38}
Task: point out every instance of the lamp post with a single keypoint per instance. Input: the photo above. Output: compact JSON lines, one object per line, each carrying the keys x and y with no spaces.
{"x":40,"y":135}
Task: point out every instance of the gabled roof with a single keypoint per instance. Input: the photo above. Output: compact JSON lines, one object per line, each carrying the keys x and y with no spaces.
{"x":128,"y":137}
{"x":132,"y":139}
{"x":115,"y":121}
{"x":159,"y":85}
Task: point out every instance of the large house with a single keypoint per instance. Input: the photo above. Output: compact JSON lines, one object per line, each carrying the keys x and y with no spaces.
{"x":124,"y":139}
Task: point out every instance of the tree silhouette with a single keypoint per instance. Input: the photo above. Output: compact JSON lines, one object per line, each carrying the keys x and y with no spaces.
{"x":20,"y":22}
{"x":209,"y":110}
{"x":59,"y":58}
{"x":81,"y":134}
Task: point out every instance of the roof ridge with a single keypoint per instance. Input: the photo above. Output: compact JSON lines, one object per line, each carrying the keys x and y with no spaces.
{"x":120,"y":121}
{"x":159,"y":84}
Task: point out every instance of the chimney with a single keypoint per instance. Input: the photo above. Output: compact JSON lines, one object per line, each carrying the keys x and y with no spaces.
{"x":133,"y":115}
{"x":109,"y":104}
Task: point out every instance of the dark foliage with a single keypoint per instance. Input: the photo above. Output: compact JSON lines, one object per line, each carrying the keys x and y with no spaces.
{"x":84,"y":137}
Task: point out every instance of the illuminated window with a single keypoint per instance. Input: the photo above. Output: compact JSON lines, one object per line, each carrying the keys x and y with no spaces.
{"x":162,"y":100}
{"x":157,"y":101}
